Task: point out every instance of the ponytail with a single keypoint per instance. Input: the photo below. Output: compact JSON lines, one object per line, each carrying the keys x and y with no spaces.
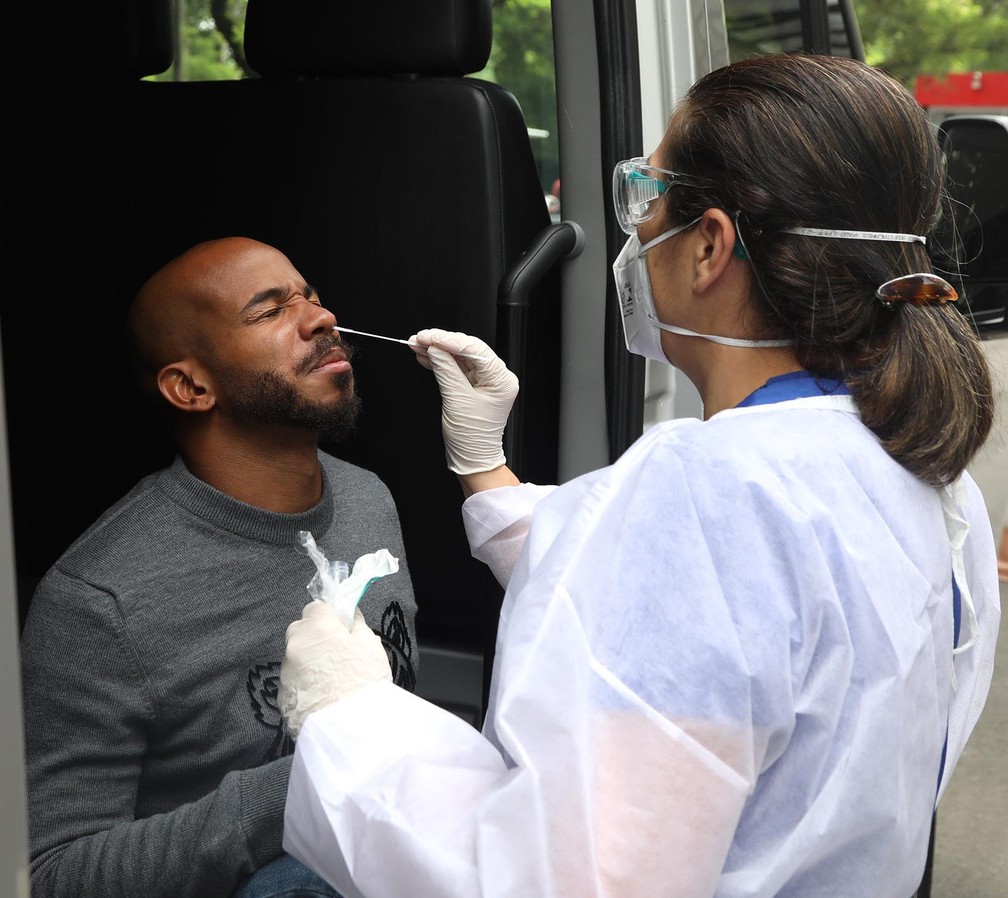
{"x":926,"y":392}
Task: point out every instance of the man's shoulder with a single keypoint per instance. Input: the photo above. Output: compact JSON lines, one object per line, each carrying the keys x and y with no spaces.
{"x":123,"y":529}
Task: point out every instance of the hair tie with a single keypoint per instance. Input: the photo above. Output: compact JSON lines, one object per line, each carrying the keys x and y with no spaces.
{"x":919,"y":288}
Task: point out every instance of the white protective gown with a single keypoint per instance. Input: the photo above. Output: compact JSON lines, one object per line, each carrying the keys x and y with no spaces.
{"x":724,"y":668}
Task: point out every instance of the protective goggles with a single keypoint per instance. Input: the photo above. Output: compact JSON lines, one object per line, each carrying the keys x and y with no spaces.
{"x":638,"y":187}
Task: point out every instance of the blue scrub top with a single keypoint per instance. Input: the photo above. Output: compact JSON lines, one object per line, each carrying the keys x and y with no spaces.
{"x":794,"y":385}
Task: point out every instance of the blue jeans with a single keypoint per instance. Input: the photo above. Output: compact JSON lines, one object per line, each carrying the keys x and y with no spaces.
{"x":285,"y":877}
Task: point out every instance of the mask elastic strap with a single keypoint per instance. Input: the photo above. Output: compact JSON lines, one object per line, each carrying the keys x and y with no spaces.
{"x":724,"y":341}
{"x":678,"y":229}
{"x":713,"y":338}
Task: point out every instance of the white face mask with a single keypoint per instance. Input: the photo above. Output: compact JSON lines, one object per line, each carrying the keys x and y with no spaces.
{"x":641,"y":327}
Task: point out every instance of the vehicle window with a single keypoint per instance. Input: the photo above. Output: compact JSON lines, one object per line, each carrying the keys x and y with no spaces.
{"x":208,"y":42}
{"x":756,"y":27}
{"x":521,"y":60}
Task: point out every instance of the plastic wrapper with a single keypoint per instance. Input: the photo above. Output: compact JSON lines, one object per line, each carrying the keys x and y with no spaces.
{"x":340,"y":586}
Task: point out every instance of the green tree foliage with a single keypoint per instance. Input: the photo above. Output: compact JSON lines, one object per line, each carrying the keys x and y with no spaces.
{"x":908,"y":38}
{"x":522,"y":61}
{"x":209,"y":43}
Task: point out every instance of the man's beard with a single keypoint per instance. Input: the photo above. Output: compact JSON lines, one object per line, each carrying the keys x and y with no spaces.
{"x":266,"y":398}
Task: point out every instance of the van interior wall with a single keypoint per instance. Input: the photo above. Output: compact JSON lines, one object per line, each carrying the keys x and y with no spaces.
{"x":402,"y":199}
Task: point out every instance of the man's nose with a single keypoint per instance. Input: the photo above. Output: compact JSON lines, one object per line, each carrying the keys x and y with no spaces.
{"x":316,"y":319}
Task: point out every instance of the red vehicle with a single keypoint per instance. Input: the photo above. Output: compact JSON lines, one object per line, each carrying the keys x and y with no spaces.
{"x":961,"y":93}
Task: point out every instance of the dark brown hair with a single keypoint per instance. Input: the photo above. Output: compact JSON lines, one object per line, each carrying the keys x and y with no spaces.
{"x":818,"y":141}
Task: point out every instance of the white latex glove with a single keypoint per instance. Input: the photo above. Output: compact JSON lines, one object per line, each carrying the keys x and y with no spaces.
{"x":324,"y":661}
{"x":476,"y":398}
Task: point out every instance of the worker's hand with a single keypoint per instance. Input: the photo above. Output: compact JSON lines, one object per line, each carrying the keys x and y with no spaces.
{"x":476,"y":397}
{"x":324,"y":661}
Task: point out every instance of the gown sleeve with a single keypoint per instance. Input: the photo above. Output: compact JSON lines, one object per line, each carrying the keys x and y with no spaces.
{"x":497,"y":522}
{"x":620,"y":801}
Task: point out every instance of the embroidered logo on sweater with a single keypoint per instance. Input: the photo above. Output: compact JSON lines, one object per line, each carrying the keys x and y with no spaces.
{"x":262,"y":685}
{"x":398,"y":646}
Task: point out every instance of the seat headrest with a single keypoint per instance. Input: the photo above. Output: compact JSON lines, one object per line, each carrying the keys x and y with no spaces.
{"x":335,"y":37}
{"x":119,"y":40}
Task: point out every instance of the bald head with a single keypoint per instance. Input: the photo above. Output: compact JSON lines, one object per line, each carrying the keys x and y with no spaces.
{"x":173,"y":311}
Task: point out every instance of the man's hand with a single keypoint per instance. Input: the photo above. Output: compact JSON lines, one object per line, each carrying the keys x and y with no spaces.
{"x":324,"y":661}
{"x":476,"y":397}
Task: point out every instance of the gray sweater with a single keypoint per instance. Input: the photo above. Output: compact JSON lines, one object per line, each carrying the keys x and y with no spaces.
{"x":157,"y":761}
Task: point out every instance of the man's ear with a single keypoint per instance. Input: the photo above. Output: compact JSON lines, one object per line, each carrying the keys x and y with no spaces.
{"x":715,"y":250}
{"x":186,"y":387}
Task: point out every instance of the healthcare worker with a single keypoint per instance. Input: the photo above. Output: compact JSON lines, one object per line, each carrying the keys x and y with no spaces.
{"x":744,"y":659}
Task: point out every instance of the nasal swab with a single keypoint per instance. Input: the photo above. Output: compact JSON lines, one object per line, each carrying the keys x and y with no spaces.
{"x":347,"y":330}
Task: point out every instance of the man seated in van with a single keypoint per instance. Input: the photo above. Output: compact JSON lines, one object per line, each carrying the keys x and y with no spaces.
{"x":157,"y":761}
